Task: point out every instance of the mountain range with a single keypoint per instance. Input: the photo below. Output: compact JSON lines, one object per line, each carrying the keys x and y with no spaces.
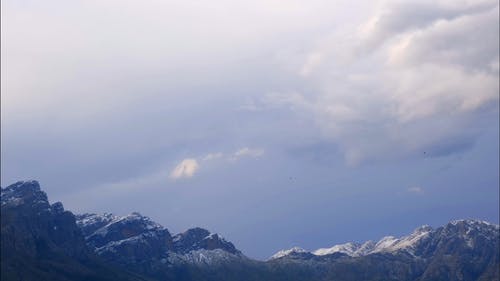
{"x":43,"y":241}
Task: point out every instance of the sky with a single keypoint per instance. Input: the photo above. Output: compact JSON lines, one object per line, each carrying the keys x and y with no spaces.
{"x":274,"y":123}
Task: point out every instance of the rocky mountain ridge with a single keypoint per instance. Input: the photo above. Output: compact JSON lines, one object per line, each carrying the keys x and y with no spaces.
{"x":135,"y":238}
{"x":42,"y":241}
{"x":467,"y":230}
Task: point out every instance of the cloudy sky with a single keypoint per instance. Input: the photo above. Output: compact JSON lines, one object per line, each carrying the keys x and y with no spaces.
{"x":275,"y":123}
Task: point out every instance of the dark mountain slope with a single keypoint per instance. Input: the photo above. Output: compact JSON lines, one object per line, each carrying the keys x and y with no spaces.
{"x":40,"y":241}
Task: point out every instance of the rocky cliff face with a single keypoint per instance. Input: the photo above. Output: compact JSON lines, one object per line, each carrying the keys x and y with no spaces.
{"x":32,"y":226}
{"x":40,"y":241}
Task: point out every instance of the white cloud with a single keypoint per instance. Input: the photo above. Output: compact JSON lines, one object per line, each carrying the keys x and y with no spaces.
{"x":247,"y":152}
{"x":186,"y":169}
{"x":189,"y":166}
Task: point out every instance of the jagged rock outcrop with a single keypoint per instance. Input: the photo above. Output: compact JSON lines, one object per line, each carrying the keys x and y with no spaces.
{"x":138,"y":243}
{"x":198,"y":238}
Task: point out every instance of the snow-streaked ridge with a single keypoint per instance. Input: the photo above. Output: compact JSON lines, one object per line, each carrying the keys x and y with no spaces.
{"x":350,"y":248}
{"x":386,"y":244}
{"x":390,"y":244}
{"x":102,"y":237}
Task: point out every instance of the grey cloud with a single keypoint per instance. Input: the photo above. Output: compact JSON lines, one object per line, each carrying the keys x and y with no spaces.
{"x":453,"y":42}
{"x":435,"y":68}
{"x":394,"y":17}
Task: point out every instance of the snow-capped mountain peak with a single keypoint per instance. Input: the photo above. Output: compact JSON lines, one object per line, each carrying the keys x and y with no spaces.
{"x":386,"y":244}
{"x":283,"y":253}
{"x":349,"y":248}
{"x":408,"y":243}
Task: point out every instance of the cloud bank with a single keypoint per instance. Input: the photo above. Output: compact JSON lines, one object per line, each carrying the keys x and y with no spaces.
{"x":405,"y":81}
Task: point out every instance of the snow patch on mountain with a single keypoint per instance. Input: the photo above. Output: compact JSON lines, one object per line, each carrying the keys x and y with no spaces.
{"x":284,"y":253}
{"x":408,"y":243}
{"x":203,"y":257}
{"x":137,"y":240}
{"x":350,"y":249}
